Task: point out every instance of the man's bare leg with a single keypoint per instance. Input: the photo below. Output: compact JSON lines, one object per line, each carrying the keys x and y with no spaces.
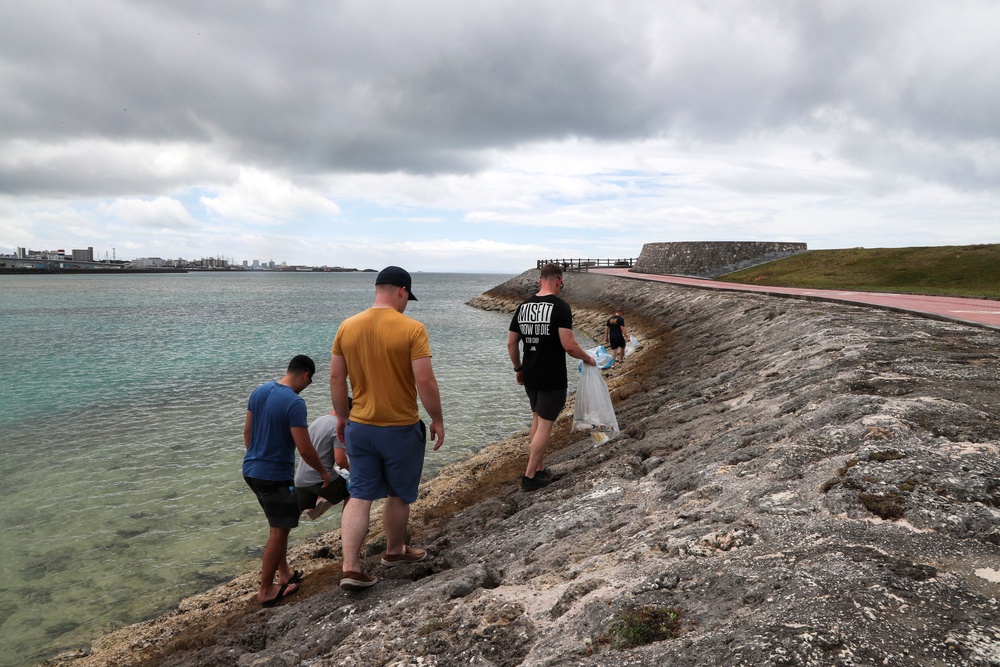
{"x":540,"y":434}
{"x":274,"y":559}
{"x":395,"y":514}
{"x":353,"y":529}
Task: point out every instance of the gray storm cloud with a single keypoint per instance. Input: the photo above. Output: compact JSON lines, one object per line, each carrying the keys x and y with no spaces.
{"x":431,"y":87}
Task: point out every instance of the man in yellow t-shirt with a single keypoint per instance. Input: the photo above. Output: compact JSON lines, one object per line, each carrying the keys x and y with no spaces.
{"x":386,"y":357}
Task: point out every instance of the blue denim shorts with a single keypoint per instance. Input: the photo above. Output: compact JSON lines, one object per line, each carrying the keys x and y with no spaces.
{"x":385,"y":460}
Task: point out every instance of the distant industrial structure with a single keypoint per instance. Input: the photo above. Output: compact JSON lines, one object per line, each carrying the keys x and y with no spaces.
{"x":79,"y":259}
{"x":83,"y":260}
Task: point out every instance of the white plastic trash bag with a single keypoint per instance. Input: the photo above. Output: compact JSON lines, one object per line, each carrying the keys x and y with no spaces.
{"x":593,"y":411}
{"x":601,"y":356}
{"x":632,"y":345}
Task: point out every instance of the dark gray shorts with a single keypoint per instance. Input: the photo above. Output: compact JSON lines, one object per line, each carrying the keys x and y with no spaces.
{"x":278,"y":501}
{"x":334,"y":492}
{"x":546,"y":403}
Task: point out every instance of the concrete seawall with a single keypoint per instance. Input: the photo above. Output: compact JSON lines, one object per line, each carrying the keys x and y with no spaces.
{"x":710,"y":259}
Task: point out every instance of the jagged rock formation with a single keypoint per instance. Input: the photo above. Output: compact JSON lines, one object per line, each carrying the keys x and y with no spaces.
{"x":796,"y":484}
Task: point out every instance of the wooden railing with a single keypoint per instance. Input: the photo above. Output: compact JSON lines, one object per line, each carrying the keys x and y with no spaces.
{"x":576,"y":265}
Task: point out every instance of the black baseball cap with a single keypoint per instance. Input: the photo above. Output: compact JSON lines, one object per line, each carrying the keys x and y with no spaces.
{"x":393,"y":275}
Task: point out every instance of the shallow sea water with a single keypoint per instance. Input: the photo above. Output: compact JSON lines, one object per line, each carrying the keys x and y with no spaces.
{"x":122,"y":401}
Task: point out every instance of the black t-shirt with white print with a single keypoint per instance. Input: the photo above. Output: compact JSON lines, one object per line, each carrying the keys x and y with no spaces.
{"x":543,"y":359}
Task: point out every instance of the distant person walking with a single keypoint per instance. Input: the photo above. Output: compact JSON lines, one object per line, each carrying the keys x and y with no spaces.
{"x":615,"y":336}
{"x":274,"y":428}
{"x":386,"y":356}
{"x":543,"y":326}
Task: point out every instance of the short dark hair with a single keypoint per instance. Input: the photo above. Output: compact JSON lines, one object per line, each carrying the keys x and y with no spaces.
{"x":550,"y":270}
{"x":300,"y":363}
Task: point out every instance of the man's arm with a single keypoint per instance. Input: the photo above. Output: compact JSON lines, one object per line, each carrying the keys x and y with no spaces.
{"x":514,"y":352}
{"x":340,"y":458}
{"x":573,"y":348}
{"x":607,"y":334}
{"x":338,"y":392}
{"x":430,"y":397}
{"x":303,"y":443}
{"x":247,"y":426}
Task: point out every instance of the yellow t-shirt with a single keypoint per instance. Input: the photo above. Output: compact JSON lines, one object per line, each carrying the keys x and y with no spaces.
{"x":379,"y":345}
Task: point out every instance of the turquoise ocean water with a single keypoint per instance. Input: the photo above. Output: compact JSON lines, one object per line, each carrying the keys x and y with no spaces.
{"x":122,"y":401}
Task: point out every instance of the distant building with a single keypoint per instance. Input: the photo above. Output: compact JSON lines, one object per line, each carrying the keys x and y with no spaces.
{"x":83,"y":255}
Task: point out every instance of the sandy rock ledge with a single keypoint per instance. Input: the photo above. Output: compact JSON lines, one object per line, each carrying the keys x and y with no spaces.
{"x":801,"y":483}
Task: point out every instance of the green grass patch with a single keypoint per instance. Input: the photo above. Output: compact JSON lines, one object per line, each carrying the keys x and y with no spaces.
{"x":645,"y":625}
{"x":972,"y":270}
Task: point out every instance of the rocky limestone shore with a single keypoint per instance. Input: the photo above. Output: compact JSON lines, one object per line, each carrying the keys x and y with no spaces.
{"x":796,"y":483}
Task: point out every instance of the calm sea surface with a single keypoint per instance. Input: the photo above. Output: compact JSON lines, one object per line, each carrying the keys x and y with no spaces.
{"x":122,"y":401}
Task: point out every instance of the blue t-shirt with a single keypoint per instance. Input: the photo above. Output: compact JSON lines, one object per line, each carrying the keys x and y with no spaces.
{"x":274,"y":410}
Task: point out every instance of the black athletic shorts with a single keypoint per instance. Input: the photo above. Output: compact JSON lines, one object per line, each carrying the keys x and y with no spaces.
{"x":546,"y":403}
{"x":616,"y":342}
{"x":278,"y":500}
{"x":334,"y":492}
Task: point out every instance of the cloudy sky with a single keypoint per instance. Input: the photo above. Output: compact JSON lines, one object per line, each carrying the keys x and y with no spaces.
{"x":459,"y":135}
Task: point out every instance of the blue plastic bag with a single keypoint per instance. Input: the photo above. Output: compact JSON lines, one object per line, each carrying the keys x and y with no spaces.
{"x":601,"y":356}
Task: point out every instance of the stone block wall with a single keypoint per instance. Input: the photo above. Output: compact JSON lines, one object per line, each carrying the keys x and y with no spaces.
{"x":708,"y":259}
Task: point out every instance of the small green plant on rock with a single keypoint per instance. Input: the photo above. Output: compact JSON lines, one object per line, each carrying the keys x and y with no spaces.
{"x":829,"y":484}
{"x":889,"y":455}
{"x":434,"y":625}
{"x":888,"y":505}
{"x":645,"y":625}
{"x":848,"y":464}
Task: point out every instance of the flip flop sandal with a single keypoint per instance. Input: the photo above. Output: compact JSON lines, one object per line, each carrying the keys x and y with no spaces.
{"x":283,"y":593}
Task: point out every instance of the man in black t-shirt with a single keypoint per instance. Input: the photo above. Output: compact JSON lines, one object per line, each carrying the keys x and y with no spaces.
{"x":543,"y":326}
{"x":615,"y":335}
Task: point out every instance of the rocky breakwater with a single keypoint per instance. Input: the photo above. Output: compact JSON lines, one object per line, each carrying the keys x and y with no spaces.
{"x":796,"y":484}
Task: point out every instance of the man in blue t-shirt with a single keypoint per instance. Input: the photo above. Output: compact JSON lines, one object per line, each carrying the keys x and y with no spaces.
{"x":543,"y":326}
{"x":274,"y":429}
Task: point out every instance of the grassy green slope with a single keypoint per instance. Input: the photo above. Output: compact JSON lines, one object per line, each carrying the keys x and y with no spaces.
{"x":972,"y":270}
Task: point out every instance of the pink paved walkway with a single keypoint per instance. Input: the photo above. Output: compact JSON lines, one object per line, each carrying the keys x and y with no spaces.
{"x":981,"y":312}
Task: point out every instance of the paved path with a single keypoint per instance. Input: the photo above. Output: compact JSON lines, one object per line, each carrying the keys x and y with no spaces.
{"x":979,"y":312}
